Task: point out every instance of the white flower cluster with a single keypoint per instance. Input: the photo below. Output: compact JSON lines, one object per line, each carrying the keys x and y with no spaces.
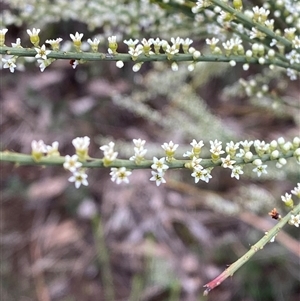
{"x":145,"y":48}
{"x":39,"y":149}
{"x":159,"y":167}
{"x":288,"y":201}
{"x":109,"y":154}
{"x":259,"y":15}
{"x":156,"y":46}
{"x":234,"y":157}
{"x":139,"y":151}
{"x":79,"y":176}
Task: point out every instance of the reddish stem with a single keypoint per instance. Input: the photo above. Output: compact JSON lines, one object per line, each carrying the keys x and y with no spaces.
{"x":215,"y":282}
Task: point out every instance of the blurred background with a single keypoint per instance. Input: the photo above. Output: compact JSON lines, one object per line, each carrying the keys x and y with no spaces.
{"x":138,"y":241}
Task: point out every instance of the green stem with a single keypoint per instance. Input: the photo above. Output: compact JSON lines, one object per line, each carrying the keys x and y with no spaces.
{"x":181,"y":57}
{"x":258,"y":246}
{"x":249,"y":23}
{"x":24,"y":159}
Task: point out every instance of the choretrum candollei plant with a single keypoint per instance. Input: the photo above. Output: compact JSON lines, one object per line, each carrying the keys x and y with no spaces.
{"x":268,"y":36}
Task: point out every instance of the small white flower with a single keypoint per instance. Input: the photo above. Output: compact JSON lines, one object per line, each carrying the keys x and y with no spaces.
{"x":38,"y":146}
{"x":139,"y":143}
{"x":295,"y":220}
{"x":212,"y":42}
{"x":109,"y":154}
{"x":260,"y":169}
{"x":139,"y":155}
{"x":52,"y":150}
{"x":201,"y":174}
{"x":291,"y":73}
{"x":108,"y":148}
{"x":216,"y":148}
{"x":54,"y":43}
{"x":38,"y":149}
{"x":79,"y":178}
{"x":139,"y":151}
{"x":3,"y":31}
{"x":289,"y":32}
{"x":296,"y":190}
{"x":131,"y":43}
{"x":34,"y":32}
{"x":227,"y":162}
{"x":286,"y":198}
{"x":196,"y":163}
{"x":171,"y":51}
{"x":159,"y":164}
{"x":157,"y":43}
{"x":81,"y":143}
{"x":260,"y":14}
{"x":112,"y":39}
{"x":186,"y":44}
{"x":158,"y":177}
{"x":94,"y":43}
{"x":43,"y":64}
{"x":231,"y":148}
{"x":246,"y":144}
{"x":188,"y":154}
{"x":42,"y":52}
{"x":120,"y":175}
{"x":34,"y":36}
{"x":296,"y":42}
{"x":197,"y":146}
{"x":135,"y":52}
{"x":228,"y":45}
{"x":76,"y":40}
{"x":241,"y":153}
{"x":270,"y":24}
{"x":293,"y":57}
{"x":17,"y":44}
{"x":77,"y":37}
{"x":2,"y":36}
{"x":9,"y":64}
{"x":170,"y":149}
{"x":261,"y":147}
{"x":176,"y":42}
{"x":71,"y":163}
{"x":236,"y":171}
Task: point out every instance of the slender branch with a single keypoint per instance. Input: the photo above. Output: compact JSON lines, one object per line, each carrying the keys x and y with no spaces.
{"x":24,"y":159}
{"x":180,"y":57}
{"x":249,"y":23}
{"x":258,"y":246}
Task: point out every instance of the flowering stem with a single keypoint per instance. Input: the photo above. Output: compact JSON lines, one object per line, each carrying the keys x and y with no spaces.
{"x":24,"y":159}
{"x":180,"y":57}
{"x":258,"y":246}
{"x":249,"y":23}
